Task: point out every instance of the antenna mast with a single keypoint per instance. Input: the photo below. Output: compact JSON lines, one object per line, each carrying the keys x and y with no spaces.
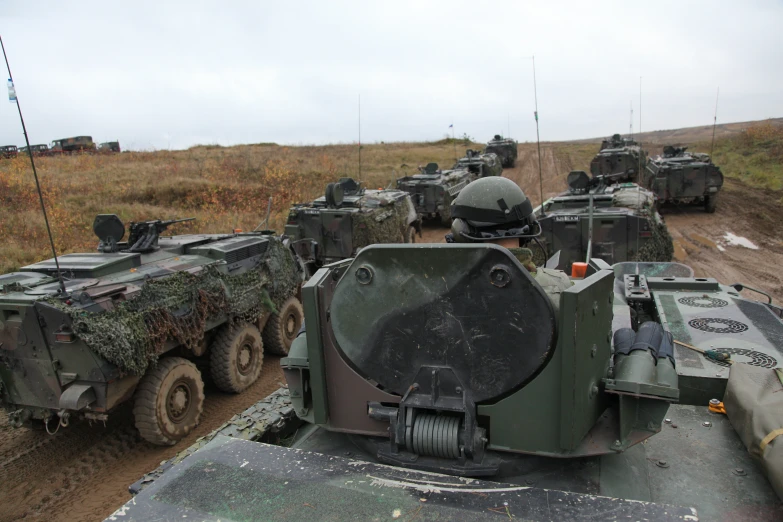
{"x":360,"y":136}
{"x":35,"y":173}
{"x":538,"y":139}
{"x":630,"y":128}
{"x":714,"y":123}
{"x":454,"y":141}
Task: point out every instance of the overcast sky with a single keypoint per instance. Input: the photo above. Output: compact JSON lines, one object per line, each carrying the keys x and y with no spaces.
{"x":173,"y":74}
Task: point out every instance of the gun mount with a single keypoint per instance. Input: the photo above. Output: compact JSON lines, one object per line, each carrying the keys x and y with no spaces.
{"x":143,"y":235}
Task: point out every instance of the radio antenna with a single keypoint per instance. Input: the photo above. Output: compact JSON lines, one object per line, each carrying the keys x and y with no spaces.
{"x":360,"y":136}
{"x":538,"y":139}
{"x":714,"y":123}
{"x":14,"y":98}
{"x":630,"y":128}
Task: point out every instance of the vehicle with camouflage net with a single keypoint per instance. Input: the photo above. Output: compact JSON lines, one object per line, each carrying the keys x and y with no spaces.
{"x":8,"y":151}
{"x":480,"y":164}
{"x":109,"y":147}
{"x":135,"y":319}
{"x":76,"y":144}
{"x":349,"y":217}
{"x":684,"y":178}
{"x":505,"y":148}
{"x":440,"y":382}
{"x":620,"y":159}
{"x":433,"y":190}
{"x":600,"y":218}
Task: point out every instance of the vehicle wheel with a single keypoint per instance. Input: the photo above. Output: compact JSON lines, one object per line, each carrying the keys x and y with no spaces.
{"x":410,"y":235}
{"x":169,"y":401}
{"x":236,"y":357}
{"x":282,"y":328}
{"x":710,"y":203}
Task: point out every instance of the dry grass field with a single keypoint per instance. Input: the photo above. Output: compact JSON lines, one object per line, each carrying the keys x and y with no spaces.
{"x":228,"y":187}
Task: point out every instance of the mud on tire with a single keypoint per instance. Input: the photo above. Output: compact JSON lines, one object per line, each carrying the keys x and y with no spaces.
{"x":410,"y":235}
{"x":236,"y":357}
{"x":281,"y":328}
{"x":710,"y":203}
{"x":169,"y":401}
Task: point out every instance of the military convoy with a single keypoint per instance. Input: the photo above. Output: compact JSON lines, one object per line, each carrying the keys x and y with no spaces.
{"x":682,"y":177}
{"x":599,"y":218}
{"x":109,"y":147}
{"x":129,"y":321}
{"x":38,"y":150}
{"x":504,"y":148}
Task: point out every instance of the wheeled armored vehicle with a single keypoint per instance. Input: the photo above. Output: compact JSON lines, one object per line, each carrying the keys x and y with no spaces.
{"x":349,"y":217}
{"x":682,"y":177}
{"x":619,"y":160}
{"x":600,"y":218}
{"x":505,"y":148}
{"x":128,"y":322}
{"x":436,"y":382}
{"x":480,"y":164}
{"x":433,"y":190}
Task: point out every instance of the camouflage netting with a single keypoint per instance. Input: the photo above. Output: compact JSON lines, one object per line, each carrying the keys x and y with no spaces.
{"x":178,"y":307}
{"x":634,"y":197}
{"x":381,"y":220}
{"x":660,"y":246}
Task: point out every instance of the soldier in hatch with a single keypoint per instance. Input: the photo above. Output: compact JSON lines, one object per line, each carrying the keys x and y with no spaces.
{"x":495,"y":210}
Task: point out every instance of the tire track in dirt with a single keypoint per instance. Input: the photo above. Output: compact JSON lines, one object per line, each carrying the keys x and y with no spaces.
{"x":83,"y":472}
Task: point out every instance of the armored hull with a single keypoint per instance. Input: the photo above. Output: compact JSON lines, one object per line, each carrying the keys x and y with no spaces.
{"x":505,"y":148}
{"x":131,"y":319}
{"x":433,"y":190}
{"x":681,"y":177}
{"x":561,"y":443}
{"x":329,"y":229}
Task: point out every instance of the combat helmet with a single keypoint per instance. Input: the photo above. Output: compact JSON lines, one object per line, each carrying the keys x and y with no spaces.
{"x":492,"y":208}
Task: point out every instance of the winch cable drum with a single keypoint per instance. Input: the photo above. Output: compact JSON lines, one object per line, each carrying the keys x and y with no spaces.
{"x":436,"y":435}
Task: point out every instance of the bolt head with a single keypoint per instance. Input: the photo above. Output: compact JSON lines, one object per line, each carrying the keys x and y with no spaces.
{"x":706,"y":424}
{"x":667,"y":421}
{"x":714,"y":402}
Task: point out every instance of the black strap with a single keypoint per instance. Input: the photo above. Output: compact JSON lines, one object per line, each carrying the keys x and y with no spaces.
{"x":504,"y":215}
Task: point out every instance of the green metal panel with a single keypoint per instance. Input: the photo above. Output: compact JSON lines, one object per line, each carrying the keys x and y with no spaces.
{"x":585,"y":336}
{"x":315,"y":350}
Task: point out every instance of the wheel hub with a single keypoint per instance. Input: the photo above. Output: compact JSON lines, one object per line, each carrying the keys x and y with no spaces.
{"x":245,"y":358}
{"x":178,"y":402}
{"x":290,"y":326}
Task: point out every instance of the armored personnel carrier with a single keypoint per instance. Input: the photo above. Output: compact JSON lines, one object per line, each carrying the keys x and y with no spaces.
{"x":433,"y":190}
{"x":504,"y":148}
{"x":682,"y":177}
{"x":599,"y":218}
{"x":349,"y":217}
{"x":437,"y":382}
{"x":620,"y":159}
{"x":480,"y":164}
{"x":127,"y":322}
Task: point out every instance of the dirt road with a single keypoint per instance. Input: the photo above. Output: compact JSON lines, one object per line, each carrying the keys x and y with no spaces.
{"x":83,"y":472}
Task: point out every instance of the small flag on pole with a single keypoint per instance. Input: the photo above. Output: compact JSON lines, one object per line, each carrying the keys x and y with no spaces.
{"x":451,"y":126}
{"x":11,"y":91}
{"x":536,"y":115}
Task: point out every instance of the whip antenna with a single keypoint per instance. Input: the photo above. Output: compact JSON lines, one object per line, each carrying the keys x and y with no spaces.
{"x":538,"y":140}
{"x":714,"y":123}
{"x":454,"y":141}
{"x":14,"y":98}
{"x":360,"y":136}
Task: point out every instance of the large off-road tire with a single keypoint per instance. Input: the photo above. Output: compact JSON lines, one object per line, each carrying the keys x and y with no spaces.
{"x":169,"y":401}
{"x":410,"y":235}
{"x":236,"y":357}
{"x":710,"y":203}
{"x":445,"y":215}
{"x":282,"y":328}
